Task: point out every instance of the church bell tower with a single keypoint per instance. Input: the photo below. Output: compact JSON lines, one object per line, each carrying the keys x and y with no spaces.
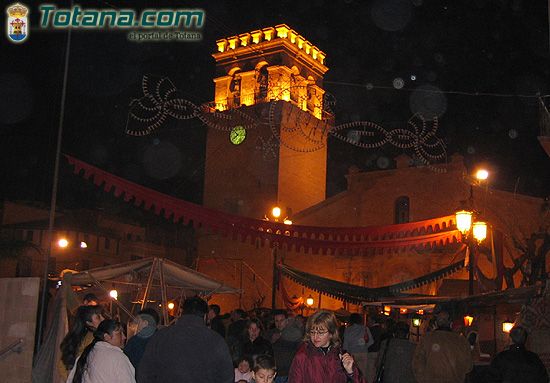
{"x":267,"y":127}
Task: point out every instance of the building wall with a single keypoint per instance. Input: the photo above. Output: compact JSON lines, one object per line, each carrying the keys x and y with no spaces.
{"x":241,"y":179}
{"x":370,"y":200}
{"x":250,"y":178}
{"x":112,"y":242}
{"x":19,"y":301}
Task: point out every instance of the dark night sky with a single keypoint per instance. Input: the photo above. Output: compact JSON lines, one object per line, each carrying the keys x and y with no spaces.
{"x":497,"y":47}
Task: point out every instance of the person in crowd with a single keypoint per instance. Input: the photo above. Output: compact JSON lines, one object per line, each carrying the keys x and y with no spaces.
{"x":265,"y":369}
{"x":395,"y":356}
{"x":236,"y":333}
{"x":255,"y":344}
{"x":80,"y":335}
{"x":285,"y":341}
{"x":517,"y":364}
{"x":187,"y":352}
{"x":442,"y":356}
{"x":319,"y":358}
{"x":146,"y":321}
{"x":90,"y":300}
{"x":103,"y":360}
{"x":357,"y":340}
{"x":300,"y":322}
{"x":243,"y":371}
{"x":376,"y":333}
{"x":215,"y":321}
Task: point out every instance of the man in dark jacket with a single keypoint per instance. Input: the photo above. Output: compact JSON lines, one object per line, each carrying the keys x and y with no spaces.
{"x":517,"y":364}
{"x":187,"y":352}
{"x":215,"y":321}
{"x":285,"y":341}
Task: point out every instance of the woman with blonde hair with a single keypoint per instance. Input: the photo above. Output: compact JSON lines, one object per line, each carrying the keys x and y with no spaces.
{"x":320,"y":358}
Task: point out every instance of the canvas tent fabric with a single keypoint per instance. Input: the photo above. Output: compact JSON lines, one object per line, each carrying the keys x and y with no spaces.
{"x":359,"y":294}
{"x":136,"y":272}
{"x":133,"y":273}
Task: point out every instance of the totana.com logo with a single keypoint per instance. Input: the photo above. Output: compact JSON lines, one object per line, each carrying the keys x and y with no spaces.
{"x":17,"y":23}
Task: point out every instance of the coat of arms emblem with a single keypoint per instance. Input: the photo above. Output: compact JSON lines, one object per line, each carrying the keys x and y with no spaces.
{"x":17,"y":23}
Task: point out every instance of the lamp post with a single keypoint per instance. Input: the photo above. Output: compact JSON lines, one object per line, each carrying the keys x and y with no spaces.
{"x":472,"y":235}
{"x":473,"y":231}
{"x":275,"y":215}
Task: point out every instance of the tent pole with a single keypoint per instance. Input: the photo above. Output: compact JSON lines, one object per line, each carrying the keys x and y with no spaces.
{"x":98,"y":284}
{"x":163,"y":292}
{"x":149,"y":282}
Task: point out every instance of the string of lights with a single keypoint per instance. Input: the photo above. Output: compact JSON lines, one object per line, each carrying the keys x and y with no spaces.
{"x":160,"y":101}
{"x":370,"y":86}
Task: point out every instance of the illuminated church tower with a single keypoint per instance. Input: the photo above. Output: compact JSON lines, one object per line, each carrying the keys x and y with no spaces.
{"x":270,"y":145}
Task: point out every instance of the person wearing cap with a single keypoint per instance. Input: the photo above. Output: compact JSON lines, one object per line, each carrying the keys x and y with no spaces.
{"x":147,"y":322}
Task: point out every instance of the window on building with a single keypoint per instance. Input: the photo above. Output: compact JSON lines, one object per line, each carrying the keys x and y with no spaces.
{"x":231,"y":205}
{"x":52,"y":265}
{"x":30,"y":235}
{"x":402,"y":206}
{"x":262,"y":80}
{"x":135,"y":257}
{"x":24,"y":267}
{"x":129,"y":236}
{"x":107,"y":244}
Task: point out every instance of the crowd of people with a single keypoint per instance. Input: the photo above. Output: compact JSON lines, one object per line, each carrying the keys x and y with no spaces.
{"x":277,"y":348}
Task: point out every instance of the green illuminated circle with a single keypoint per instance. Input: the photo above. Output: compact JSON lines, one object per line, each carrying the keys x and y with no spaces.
{"x":237,"y":135}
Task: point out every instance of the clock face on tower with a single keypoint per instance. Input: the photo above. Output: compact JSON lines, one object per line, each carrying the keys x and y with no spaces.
{"x":237,"y":135}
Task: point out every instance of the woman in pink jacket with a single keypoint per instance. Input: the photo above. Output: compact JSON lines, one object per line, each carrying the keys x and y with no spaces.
{"x":320,"y":359}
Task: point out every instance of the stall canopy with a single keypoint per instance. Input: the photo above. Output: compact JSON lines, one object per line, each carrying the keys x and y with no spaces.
{"x":151,"y":279}
{"x":137,"y":273}
{"x":359,"y":294}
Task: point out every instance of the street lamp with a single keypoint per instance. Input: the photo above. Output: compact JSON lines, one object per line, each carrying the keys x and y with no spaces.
{"x":463,"y":221}
{"x":63,"y":243}
{"x":309,"y":301}
{"x":470,"y":230}
{"x":507,"y":326}
{"x":276,"y":212}
{"x":275,"y":215}
{"x":480,"y":231}
{"x":482,"y":174}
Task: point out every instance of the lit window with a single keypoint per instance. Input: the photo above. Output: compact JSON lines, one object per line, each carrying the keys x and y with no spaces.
{"x":402,"y":205}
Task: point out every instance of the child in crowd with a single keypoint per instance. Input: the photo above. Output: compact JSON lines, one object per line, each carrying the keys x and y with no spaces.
{"x":264,"y":369}
{"x":243,"y":372}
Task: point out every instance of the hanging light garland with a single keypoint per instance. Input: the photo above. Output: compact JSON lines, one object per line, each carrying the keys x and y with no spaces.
{"x":160,"y":101}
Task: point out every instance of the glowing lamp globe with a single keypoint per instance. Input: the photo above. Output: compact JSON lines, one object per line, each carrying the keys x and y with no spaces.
{"x":480,"y":231}
{"x":482,"y":174}
{"x":276,"y":212}
{"x":463,"y":221}
{"x":507,"y":326}
{"x":468,"y":320}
